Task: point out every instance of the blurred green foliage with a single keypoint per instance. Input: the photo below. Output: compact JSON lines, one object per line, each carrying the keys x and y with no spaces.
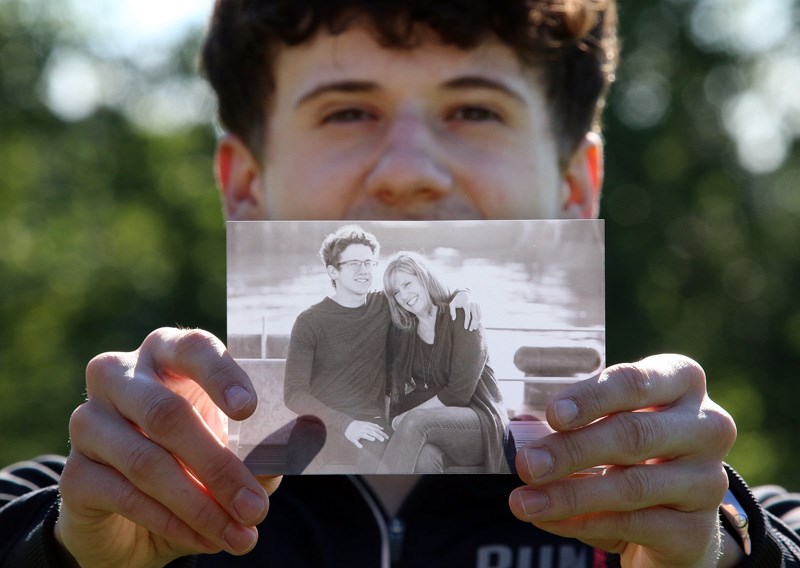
{"x":109,"y":230}
{"x":703,"y":255}
{"x":106,"y":232}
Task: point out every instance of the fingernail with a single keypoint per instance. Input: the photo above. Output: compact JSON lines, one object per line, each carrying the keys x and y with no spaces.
{"x":249,"y":505}
{"x":533,"y":502}
{"x":237,"y":397}
{"x":566,"y":411}
{"x":539,"y":461}
{"x":239,"y":539}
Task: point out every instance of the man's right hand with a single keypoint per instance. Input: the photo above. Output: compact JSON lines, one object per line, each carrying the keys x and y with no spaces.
{"x":360,"y":430}
{"x":149,"y":478}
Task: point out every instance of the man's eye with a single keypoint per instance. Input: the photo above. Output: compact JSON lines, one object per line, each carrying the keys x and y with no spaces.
{"x":474,"y":114}
{"x":347,"y":115}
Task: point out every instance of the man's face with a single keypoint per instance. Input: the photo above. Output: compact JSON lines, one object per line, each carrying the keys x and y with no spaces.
{"x":359,"y":131}
{"x":353,"y":271}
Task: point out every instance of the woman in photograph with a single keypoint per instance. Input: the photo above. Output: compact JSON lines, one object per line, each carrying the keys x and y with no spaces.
{"x":445,"y":402}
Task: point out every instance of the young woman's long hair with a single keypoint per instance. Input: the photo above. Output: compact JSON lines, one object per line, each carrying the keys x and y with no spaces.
{"x":416,"y":265}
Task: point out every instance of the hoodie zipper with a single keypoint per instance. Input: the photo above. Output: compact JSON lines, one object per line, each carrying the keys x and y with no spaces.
{"x":397,"y":533}
{"x":388,"y":530}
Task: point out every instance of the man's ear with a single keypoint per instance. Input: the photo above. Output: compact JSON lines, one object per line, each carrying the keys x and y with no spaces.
{"x":583,"y":180}
{"x":239,"y":179}
{"x":331,"y":270}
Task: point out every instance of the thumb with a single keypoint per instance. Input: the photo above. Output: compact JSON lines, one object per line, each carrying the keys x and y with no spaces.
{"x":201,"y":357}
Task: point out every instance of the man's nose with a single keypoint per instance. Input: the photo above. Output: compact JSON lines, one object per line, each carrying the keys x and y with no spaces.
{"x":409,"y":169}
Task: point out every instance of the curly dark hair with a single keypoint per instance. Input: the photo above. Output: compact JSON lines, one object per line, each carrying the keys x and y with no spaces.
{"x":574,"y":42}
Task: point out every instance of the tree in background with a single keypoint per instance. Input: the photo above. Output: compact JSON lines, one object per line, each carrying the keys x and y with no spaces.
{"x":702,"y":203}
{"x":108,"y":229}
{"x":110,"y":226}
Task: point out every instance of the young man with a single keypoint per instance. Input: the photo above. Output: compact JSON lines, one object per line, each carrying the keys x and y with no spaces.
{"x":336,"y":365}
{"x":395,"y":110}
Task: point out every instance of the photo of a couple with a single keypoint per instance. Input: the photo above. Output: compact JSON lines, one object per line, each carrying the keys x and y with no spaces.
{"x":389,"y":373}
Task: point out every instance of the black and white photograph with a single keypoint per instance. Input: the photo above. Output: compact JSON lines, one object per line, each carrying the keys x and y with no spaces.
{"x":409,"y":347}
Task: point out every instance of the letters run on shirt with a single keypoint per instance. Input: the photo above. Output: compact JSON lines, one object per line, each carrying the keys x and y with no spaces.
{"x":545,"y":556}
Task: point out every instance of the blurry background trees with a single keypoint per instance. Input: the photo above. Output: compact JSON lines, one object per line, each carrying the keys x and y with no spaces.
{"x":110,"y":225}
{"x":109,"y":220}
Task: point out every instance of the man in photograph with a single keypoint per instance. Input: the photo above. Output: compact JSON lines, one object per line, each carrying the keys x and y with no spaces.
{"x":336,"y":365}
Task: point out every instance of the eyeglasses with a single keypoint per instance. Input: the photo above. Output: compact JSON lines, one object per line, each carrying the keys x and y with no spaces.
{"x":356,"y":264}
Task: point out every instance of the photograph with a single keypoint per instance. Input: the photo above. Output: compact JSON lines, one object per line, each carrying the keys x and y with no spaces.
{"x":392,"y":347}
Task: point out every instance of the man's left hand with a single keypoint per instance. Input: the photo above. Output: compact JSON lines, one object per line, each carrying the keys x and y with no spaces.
{"x":472,"y":311}
{"x":659,"y":442}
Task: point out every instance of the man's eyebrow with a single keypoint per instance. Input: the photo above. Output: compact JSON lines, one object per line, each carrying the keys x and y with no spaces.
{"x":478,"y":82}
{"x":337,"y":87}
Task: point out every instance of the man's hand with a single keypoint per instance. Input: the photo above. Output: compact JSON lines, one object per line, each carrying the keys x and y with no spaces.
{"x":472,"y":311}
{"x":149,"y":478}
{"x":661,"y":441}
{"x":360,"y":430}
